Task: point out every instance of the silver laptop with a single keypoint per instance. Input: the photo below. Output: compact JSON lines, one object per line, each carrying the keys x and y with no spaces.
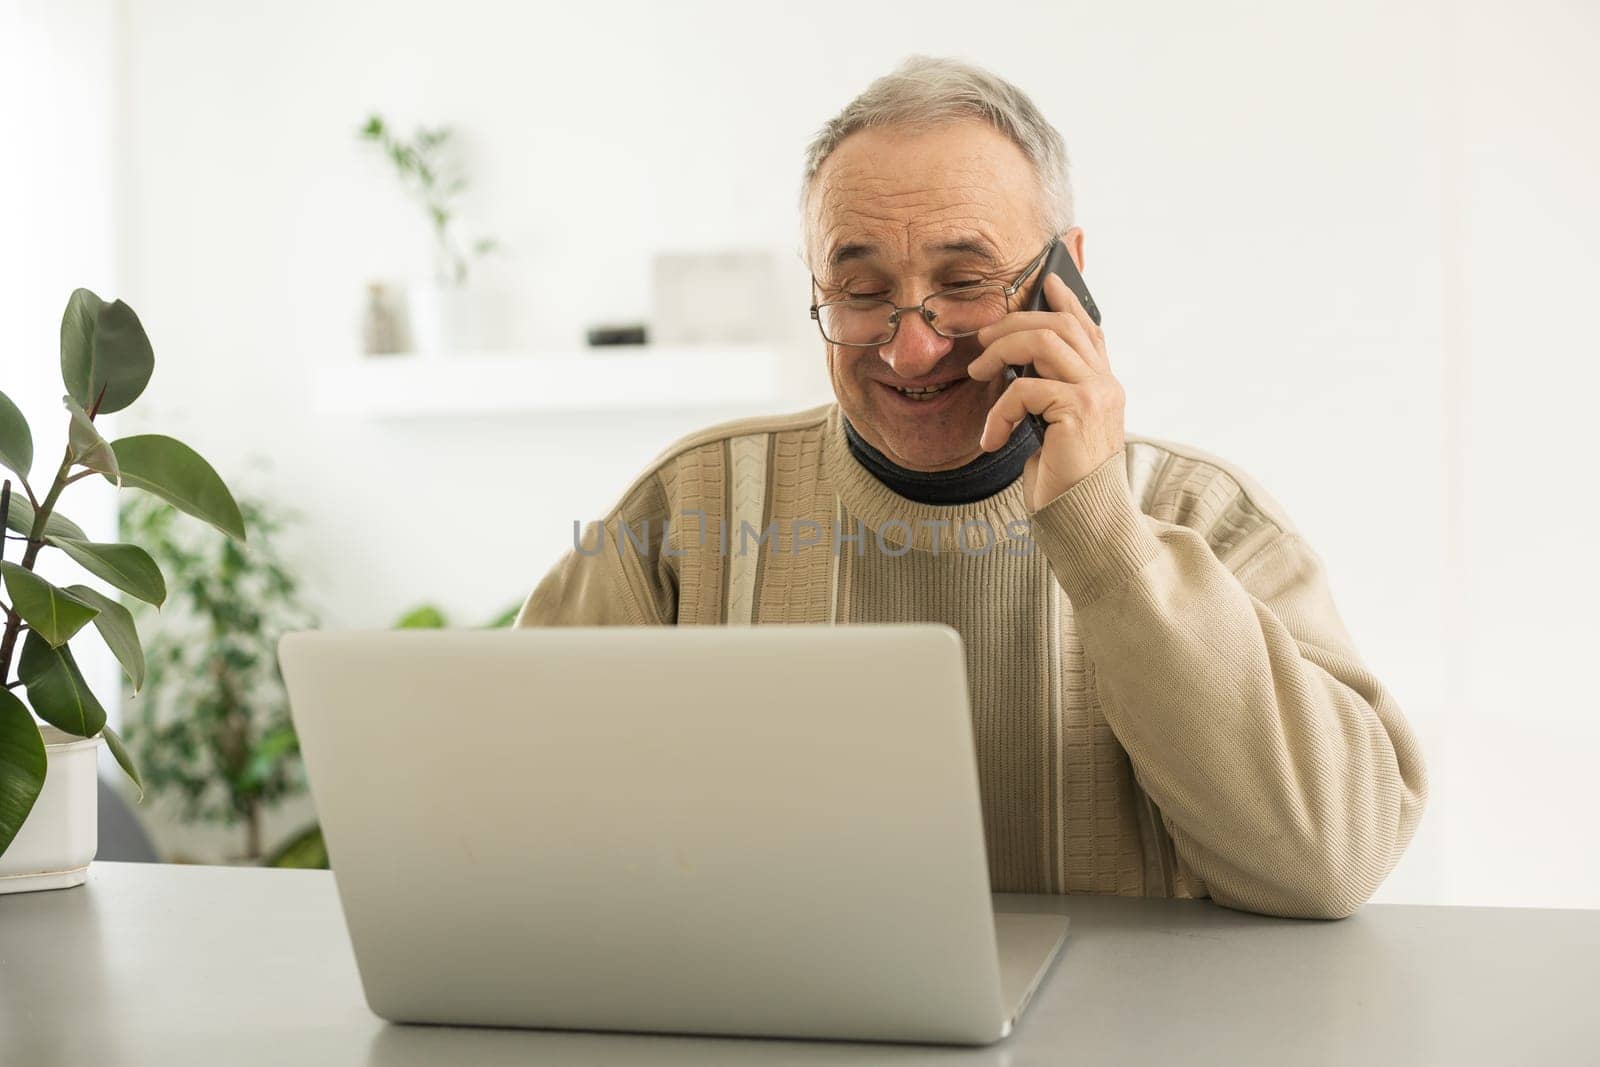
{"x":769,"y":830}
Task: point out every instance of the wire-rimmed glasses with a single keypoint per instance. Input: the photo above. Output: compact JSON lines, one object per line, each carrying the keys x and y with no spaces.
{"x":866,"y":322}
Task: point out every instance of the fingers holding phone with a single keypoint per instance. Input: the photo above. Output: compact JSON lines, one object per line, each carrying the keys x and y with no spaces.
{"x":1066,"y":383}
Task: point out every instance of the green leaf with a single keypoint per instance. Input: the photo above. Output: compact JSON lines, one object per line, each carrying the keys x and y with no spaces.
{"x":88,"y":448}
{"x":175,"y":472}
{"x":304,"y":849}
{"x":16,"y":441}
{"x":103,"y":348}
{"x":506,"y":616}
{"x":119,"y":752}
{"x":22,"y":765}
{"x":128,"y":567}
{"x":56,"y":688}
{"x":20,"y":520}
{"x":117,"y":629}
{"x":425,"y":617}
{"x":54,"y":613}
{"x":77,"y":341}
{"x":274,"y":745}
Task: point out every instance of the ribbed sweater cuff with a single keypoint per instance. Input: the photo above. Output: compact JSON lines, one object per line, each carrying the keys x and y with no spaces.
{"x":1093,"y":534}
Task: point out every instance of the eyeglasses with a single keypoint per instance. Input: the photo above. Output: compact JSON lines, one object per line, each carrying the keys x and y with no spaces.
{"x":864,"y":322}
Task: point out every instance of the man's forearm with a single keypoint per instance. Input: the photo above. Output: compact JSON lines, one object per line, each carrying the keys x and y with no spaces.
{"x":1286,"y":773}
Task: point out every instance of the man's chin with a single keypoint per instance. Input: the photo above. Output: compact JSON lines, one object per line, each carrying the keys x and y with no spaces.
{"x":919,"y":450}
{"x":922,"y":435}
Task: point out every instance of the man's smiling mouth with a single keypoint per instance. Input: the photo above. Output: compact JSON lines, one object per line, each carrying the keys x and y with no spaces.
{"x":922,"y":392}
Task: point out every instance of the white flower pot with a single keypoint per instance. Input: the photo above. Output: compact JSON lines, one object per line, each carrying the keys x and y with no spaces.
{"x":452,"y":318}
{"x":61,"y":833}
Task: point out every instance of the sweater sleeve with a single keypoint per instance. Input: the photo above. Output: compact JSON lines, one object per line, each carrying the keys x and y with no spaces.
{"x":1286,"y":775}
{"x":616,"y":573}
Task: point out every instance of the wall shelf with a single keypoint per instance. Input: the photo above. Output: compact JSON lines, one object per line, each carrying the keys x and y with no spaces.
{"x":624,"y":378}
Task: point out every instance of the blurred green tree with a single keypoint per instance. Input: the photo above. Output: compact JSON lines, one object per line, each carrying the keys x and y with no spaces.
{"x":212,"y":725}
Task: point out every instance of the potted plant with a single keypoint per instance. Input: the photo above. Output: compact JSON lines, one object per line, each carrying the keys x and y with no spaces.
{"x":50,"y":723}
{"x":445,"y":312}
{"x":212,"y":731}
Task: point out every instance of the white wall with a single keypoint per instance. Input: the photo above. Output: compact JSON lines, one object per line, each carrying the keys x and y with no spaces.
{"x":1523,"y":270}
{"x":58,"y":70}
{"x":1343,"y":244}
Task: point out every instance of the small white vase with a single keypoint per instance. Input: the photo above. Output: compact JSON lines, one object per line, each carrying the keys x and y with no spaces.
{"x":61,"y":833}
{"x":424,"y":316}
{"x":454,"y":318}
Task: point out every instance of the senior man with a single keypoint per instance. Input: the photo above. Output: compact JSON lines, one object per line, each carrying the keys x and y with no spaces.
{"x":1165,"y":700}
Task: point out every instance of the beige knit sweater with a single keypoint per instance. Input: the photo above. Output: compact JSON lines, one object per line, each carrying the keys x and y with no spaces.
{"x":1165,"y":700}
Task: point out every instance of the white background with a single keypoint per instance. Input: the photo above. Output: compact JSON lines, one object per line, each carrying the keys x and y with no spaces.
{"x":1349,"y":246}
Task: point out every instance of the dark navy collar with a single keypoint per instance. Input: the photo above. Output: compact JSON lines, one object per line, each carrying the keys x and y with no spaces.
{"x":983,"y":477}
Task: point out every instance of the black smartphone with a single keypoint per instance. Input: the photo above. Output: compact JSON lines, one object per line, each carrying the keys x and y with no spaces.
{"x":1059,"y":261}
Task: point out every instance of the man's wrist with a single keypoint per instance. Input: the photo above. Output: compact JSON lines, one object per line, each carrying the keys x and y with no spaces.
{"x":1094,"y":535}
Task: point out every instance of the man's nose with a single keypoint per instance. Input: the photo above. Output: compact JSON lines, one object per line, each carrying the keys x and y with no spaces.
{"x":916,"y":348}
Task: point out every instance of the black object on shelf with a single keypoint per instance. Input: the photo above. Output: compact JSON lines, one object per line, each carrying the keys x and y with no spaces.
{"x":629,"y":334}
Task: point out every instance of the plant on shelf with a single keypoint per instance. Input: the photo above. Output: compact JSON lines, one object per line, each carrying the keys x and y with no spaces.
{"x":106,"y":362}
{"x":213,"y":729}
{"x":429,"y":176}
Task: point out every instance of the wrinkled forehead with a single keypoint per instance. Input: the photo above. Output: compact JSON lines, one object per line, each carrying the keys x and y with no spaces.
{"x":909,"y":201}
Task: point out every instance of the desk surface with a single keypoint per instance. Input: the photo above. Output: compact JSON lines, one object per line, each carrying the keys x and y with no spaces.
{"x":176,"y":965}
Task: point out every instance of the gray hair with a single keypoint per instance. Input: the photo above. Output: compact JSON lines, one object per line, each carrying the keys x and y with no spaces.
{"x":928,"y":90}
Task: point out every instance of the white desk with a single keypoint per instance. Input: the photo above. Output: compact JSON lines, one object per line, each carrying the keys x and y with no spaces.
{"x":156,"y":964}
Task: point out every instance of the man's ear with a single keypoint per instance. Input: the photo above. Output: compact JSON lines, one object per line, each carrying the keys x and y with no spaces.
{"x":1073,"y":239}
